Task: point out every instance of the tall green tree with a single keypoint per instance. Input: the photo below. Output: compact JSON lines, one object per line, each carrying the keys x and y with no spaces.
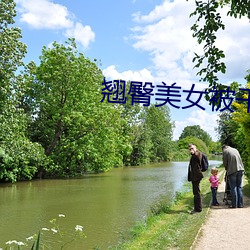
{"x":160,"y":128}
{"x":19,"y":157}
{"x":78,"y":132}
{"x":227,"y":128}
{"x":131,"y":130}
{"x":141,"y":145}
{"x":12,"y":51}
{"x":152,"y":136}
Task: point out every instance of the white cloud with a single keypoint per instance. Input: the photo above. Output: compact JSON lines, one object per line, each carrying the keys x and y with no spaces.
{"x":143,"y":75}
{"x":165,"y":33}
{"x":159,"y":12}
{"x":234,"y":41}
{"x":44,"y":14}
{"x":83,"y":34}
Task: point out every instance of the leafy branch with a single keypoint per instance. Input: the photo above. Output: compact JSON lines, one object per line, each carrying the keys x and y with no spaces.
{"x":205,"y":28}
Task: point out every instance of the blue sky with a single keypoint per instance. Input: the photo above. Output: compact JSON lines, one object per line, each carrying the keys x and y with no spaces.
{"x":137,"y":40}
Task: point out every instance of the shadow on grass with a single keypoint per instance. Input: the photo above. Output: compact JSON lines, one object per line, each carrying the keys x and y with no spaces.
{"x":183,"y":204}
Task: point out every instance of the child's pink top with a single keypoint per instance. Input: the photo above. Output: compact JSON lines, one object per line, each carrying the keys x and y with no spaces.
{"x":214,"y":181}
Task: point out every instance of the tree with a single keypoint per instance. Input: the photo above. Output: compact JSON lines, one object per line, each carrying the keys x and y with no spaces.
{"x":152,"y":136}
{"x":241,"y":116}
{"x":132,"y":131}
{"x":19,"y":157}
{"x":12,"y":50}
{"x":208,"y":23}
{"x":183,"y":144}
{"x":196,"y":131}
{"x":160,"y":129}
{"x":141,"y":145}
{"x":227,"y":128}
{"x":78,"y":132}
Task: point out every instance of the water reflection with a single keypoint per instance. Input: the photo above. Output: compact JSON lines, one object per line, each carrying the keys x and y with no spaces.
{"x":105,"y":204}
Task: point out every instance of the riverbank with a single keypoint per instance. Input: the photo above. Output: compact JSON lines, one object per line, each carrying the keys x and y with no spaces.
{"x":171,"y":227}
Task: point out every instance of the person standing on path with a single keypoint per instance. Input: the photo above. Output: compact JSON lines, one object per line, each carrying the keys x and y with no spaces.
{"x":235,"y":169}
{"x":214,"y":186}
{"x":195,"y":175}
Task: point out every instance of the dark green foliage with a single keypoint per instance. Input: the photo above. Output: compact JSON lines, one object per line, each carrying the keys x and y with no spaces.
{"x":159,"y":125}
{"x":152,"y":138}
{"x":238,"y":8}
{"x":227,"y":129}
{"x":207,"y":24}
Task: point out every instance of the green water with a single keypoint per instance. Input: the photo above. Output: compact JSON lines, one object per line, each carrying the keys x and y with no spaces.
{"x":104,"y":204}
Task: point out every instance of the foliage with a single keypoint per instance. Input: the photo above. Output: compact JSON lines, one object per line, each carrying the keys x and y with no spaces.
{"x":242,"y":117}
{"x":132,"y":131}
{"x":215,"y":147}
{"x":227,"y":128}
{"x":201,"y":146}
{"x":53,"y":123}
{"x":151,"y":136}
{"x":196,"y":131}
{"x":232,"y":127}
{"x":77,"y":131}
{"x":207,"y":13}
{"x":180,"y":155}
{"x":20,"y":158}
{"x":12,"y":50}
{"x":237,"y":8}
{"x":205,"y":28}
{"x":141,"y":145}
{"x":159,"y":126}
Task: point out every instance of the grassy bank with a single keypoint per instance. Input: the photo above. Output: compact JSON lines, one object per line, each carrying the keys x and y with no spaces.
{"x":170,"y":227}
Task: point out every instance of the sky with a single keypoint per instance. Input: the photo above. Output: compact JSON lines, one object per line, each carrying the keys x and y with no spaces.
{"x":138,"y":40}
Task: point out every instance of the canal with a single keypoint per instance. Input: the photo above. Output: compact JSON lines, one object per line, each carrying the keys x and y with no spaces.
{"x":105,"y":204}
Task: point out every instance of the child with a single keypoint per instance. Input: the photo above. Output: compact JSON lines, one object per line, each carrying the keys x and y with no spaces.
{"x":214,"y":185}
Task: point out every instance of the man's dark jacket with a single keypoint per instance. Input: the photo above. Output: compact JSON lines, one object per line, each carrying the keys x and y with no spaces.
{"x":194,"y":169}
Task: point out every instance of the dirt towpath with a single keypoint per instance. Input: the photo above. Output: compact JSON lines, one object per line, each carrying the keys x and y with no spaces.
{"x":225,"y":228}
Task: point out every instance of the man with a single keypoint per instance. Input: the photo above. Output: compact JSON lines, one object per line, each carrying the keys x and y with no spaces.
{"x":195,"y":175}
{"x":235,"y":170}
